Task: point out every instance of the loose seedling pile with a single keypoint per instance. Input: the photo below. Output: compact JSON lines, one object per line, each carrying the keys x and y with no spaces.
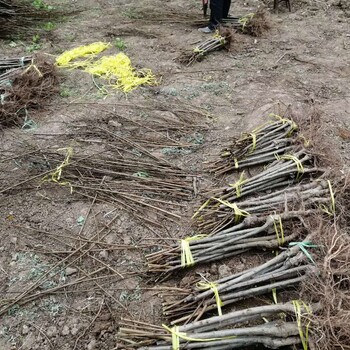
{"x":124,"y":171}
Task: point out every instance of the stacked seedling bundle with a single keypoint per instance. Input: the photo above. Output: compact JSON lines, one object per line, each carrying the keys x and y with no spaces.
{"x":25,"y":82}
{"x":286,"y":270}
{"x":258,"y":147}
{"x":242,"y":217}
{"x":273,"y":326}
{"x":267,"y":210}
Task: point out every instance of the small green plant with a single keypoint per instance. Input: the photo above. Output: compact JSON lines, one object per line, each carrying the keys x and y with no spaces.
{"x":35,"y":45}
{"x":197,"y":138}
{"x":13,"y":310}
{"x":49,"y":26}
{"x":65,"y":92}
{"x":128,"y":296}
{"x":120,"y":44}
{"x":40,"y":5}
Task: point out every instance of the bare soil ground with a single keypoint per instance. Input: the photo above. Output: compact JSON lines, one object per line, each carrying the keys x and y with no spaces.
{"x":302,"y":64}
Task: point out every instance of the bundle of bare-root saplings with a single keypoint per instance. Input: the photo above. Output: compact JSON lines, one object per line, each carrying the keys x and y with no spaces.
{"x":25,"y":83}
{"x":270,"y":210}
{"x":23,"y":18}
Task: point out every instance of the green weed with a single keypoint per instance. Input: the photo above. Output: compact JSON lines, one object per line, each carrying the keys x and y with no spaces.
{"x":40,"y":5}
{"x":49,"y":26}
{"x":120,"y":44}
{"x":35,"y":45}
{"x":65,"y":92}
{"x":127,"y":295}
{"x":197,"y":138}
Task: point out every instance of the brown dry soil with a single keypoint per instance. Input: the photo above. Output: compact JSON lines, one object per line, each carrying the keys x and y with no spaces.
{"x":302,"y":63}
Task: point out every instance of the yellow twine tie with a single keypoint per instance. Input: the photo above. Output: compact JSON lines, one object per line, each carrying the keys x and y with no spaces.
{"x":306,"y":142}
{"x":35,"y":68}
{"x":213,"y":286}
{"x":252,"y":136}
{"x":300,"y":167}
{"x":203,"y":206}
{"x":56,"y":175}
{"x":176,"y":335}
{"x":245,"y":19}
{"x":186,"y":254}
{"x":198,"y":50}
{"x":331,"y":210}
{"x":279,"y":230}
{"x":237,"y":185}
{"x":238,"y":212}
{"x":236,"y":163}
{"x":274,"y":295}
{"x":297,"y":309}
{"x":292,"y":123}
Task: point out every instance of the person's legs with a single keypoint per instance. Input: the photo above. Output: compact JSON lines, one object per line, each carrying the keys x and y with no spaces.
{"x":216,"y":15}
{"x":216,"y":12}
{"x":226,"y":8}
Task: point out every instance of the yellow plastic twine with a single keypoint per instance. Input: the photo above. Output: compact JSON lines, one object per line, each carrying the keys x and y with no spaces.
{"x":237,"y":185}
{"x":251,"y":135}
{"x":56,"y":175}
{"x":238,"y":212}
{"x":293,"y":124}
{"x":279,"y":230}
{"x":176,"y":335}
{"x":300,"y":167}
{"x":33,"y":66}
{"x":297,"y":309}
{"x":306,"y":142}
{"x":198,"y":50}
{"x":203,"y":206}
{"x":245,"y":19}
{"x":90,"y":51}
{"x":274,"y":295}
{"x":119,"y":67}
{"x":331,"y":210}
{"x":186,"y":254}
{"x":213,"y":286}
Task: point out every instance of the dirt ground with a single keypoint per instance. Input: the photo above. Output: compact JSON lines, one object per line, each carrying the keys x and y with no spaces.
{"x":301,"y":65}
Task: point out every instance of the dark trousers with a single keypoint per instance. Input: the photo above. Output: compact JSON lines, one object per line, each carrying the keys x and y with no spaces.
{"x":219,"y":9}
